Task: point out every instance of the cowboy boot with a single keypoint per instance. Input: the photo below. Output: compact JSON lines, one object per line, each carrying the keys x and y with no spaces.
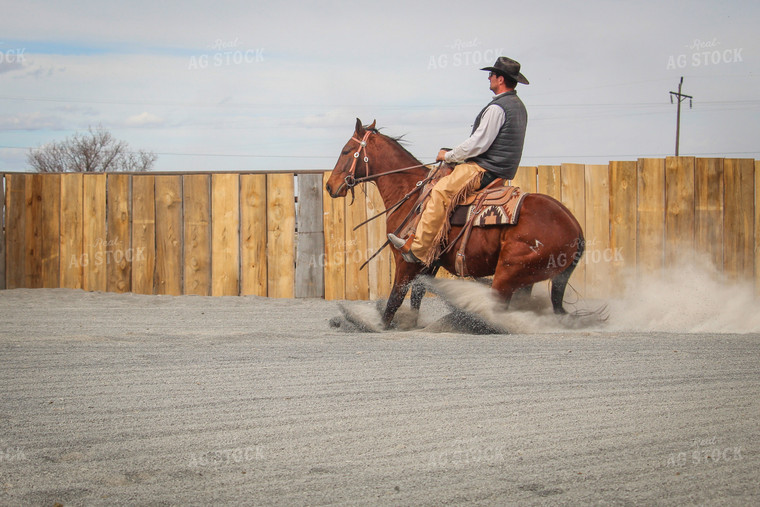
{"x":405,"y":247}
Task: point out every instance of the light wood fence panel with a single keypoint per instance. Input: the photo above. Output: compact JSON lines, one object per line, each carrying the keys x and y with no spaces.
{"x":15,"y":233}
{"x":708,"y":210}
{"x":738,"y":218}
{"x":33,"y":231}
{"x":253,"y":216}
{"x":380,"y":269}
{"x":119,"y":239}
{"x":526,"y":178}
{"x":573,"y":189}
{"x":281,"y":221}
{"x":94,"y":276}
{"x":143,"y":234}
{"x":598,"y":256}
{"x":549,"y":180}
{"x":679,"y":211}
{"x":651,"y":216}
{"x":51,"y":230}
{"x":225,"y":235}
{"x":357,"y":281}
{"x":335,"y":244}
{"x":196,"y":233}
{"x":169,"y":265}
{"x":757,"y":227}
{"x":623,"y":212}
{"x":2,"y":230}
{"x":71,"y":232}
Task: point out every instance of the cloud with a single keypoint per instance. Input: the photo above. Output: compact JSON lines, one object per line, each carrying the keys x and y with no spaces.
{"x":29,"y":121}
{"x":144,"y":119}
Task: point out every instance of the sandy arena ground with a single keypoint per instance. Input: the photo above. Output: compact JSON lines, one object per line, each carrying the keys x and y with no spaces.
{"x":154,"y":400}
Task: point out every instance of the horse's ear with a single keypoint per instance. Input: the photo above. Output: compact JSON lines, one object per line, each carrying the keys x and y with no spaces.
{"x":359,"y":128}
{"x":372,"y":127}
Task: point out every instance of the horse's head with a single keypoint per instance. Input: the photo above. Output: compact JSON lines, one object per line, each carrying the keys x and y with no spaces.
{"x":353,"y":162}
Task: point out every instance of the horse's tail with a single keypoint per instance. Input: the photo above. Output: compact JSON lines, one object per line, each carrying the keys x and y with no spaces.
{"x":559,"y":282}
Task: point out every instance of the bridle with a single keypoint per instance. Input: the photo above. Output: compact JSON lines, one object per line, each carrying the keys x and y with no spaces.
{"x":350,"y":181}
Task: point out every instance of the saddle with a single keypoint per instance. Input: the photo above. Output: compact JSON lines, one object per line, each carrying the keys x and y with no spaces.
{"x":494,"y":205}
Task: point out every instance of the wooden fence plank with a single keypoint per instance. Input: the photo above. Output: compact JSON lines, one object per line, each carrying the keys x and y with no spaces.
{"x":33,"y":232}
{"x":357,"y":281}
{"x":651,"y":216}
{"x":225,"y":235}
{"x":94,"y":232}
{"x":143,"y":233}
{"x":708,"y":210}
{"x":381,"y":268}
{"x":526,"y":178}
{"x":549,"y":181}
{"x":623,"y":206}
{"x":757,"y":228}
{"x":281,"y":218}
{"x":598,"y":255}
{"x":573,"y":188}
{"x":168,"y":235}
{"x":738,"y":221}
{"x":2,"y":230}
{"x":679,"y":211}
{"x":51,"y":231}
{"x":335,"y":244}
{"x":196,"y":199}
{"x":71,"y":249}
{"x":253,"y":225}
{"x":310,"y":282}
{"x":119,"y":243}
{"x":15,"y":232}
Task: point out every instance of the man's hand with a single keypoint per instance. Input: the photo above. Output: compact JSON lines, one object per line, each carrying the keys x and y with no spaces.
{"x":441,"y":156}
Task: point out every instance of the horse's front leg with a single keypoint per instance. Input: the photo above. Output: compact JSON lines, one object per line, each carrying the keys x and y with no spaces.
{"x":405,"y":273}
{"x":418,"y":291}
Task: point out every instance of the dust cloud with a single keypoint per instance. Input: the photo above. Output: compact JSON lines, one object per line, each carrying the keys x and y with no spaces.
{"x":689,"y":299}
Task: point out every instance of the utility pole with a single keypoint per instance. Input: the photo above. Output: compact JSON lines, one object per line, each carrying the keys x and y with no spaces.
{"x":680,"y":97}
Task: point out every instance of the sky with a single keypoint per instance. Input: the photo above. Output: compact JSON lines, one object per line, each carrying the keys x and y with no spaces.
{"x":265,"y":86}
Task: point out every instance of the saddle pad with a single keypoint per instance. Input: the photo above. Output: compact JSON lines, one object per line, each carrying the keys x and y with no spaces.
{"x":500,"y":206}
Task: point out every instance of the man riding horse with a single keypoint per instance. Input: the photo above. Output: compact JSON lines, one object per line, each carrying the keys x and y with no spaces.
{"x":492,"y":151}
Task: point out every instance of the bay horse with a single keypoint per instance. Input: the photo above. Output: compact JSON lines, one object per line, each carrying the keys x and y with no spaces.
{"x":546,"y":243}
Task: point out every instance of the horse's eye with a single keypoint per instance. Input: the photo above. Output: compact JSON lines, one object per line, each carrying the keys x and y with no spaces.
{"x":345,"y":152}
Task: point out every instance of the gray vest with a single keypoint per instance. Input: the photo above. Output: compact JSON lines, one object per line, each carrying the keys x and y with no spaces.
{"x":503,"y":156}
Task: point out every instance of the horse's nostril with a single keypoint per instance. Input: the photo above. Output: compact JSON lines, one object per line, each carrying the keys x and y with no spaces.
{"x":329,"y":189}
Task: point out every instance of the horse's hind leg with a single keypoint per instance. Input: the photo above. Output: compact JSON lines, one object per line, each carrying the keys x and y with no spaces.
{"x":559,"y":282}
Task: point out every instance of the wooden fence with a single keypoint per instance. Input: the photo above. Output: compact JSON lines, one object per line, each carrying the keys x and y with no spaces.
{"x":279,"y":235}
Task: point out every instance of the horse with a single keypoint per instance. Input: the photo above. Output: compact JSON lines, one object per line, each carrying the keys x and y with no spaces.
{"x":546,"y":243}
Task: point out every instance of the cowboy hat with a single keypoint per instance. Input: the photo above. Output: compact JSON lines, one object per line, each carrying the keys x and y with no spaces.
{"x":508,"y":67}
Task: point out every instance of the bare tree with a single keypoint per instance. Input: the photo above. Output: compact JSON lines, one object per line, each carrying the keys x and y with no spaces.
{"x":95,"y":152}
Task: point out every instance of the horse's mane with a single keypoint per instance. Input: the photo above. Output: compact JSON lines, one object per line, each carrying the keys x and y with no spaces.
{"x":399,"y":140}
